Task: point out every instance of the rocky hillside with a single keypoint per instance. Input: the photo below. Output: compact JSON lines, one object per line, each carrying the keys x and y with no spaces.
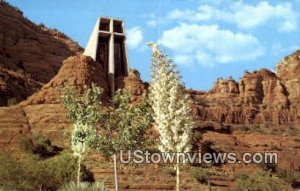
{"x":288,"y":71}
{"x":260,"y":97}
{"x":30,"y":54}
{"x":42,"y":113}
{"x":259,"y":113}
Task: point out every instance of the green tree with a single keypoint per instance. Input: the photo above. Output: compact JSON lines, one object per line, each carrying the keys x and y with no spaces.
{"x":172,"y":112}
{"x":123,"y":127}
{"x":85,"y":110}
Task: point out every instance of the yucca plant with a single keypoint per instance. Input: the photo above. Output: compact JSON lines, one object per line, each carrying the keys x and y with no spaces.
{"x":170,"y":104}
{"x":84,"y":186}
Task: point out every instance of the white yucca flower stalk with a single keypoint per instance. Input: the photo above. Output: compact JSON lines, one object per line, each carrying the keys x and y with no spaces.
{"x":172,"y":112}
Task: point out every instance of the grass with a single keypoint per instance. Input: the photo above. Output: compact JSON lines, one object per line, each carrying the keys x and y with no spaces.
{"x":263,"y":181}
{"x":200,"y":174}
{"x":32,"y":173}
{"x":290,"y":176}
{"x":84,"y":186}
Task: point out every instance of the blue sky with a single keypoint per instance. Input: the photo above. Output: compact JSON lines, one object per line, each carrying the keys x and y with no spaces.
{"x":206,"y":39}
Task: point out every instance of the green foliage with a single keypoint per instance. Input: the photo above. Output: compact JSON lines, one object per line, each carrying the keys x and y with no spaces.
{"x":12,"y":101}
{"x":84,"y":186}
{"x":27,"y":175}
{"x":64,"y":168}
{"x":200,"y":174}
{"x":170,"y":170}
{"x":38,"y":145}
{"x":290,"y":176}
{"x":42,"y":25}
{"x":12,"y":174}
{"x":83,"y":108}
{"x":124,"y":125}
{"x":30,"y":174}
{"x":271,"y":167}
{"x":262,"y":181}
{"x":26,"y":144}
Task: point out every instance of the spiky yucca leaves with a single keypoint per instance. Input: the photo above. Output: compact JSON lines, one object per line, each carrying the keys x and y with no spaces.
{"x":84,"y":186}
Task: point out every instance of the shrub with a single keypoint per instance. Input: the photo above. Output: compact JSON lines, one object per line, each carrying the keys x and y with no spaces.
{"x":42,"y":25}
{"x":26,"y":144}
{"x":11,"y":174}
{"x":290,"y":176}
{"x":271,"y":167}
{"x":30,"y":174}
{"x":84,"y":186}
{"x":38,"y":145}
{"x":25,"y":175}
{"x":43,"y":146}
{"x":200,"y":174}
{"x":263,"y":181}
{"x":64,"y":169}
{"x":12,"y":101}
{"x":170,"y":170}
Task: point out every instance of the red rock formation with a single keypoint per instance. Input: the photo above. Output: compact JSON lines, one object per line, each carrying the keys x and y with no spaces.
{"x":35,"y":51}
{"x":77,"y":70}
{"x":15,"y":86}
{"x":288,"y":71}
{"x":134,"y":85}
{"x":42,"y":112}
{"x":260,"y":97}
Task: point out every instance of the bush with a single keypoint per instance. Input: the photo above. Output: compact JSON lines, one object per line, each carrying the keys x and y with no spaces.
{"x":43,"y":146}
{"x":64,"y":169}
{"x":200,"y":174}
{"x":42,"y":25}
{"x":170,"y":170}
{"x":271,"y":167}
{"x":38,"y":145}
{"x":84,"y":186}
{"x":263,"y":181}
{"x":11,"y":174}
{"x":290,"y":176}
{"x":26,"y":144}
{"x":26,"y":175}
{"x":12,"y":101}
{"x":30,"y":174}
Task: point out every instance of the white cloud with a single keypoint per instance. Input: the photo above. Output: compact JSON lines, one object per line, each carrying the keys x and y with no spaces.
{"x":152,"y":20}
{"x":134,"y":37}
{"x":244,"y":16}
{"x":209,"y":45}
{"x":247,"y":16}
{"x":152,"y":23}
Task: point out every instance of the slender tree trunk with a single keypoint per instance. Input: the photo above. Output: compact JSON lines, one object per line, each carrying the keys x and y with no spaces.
{"x":177,"y":177}
{"x":115,"y":170}
{"x":78,"y":171}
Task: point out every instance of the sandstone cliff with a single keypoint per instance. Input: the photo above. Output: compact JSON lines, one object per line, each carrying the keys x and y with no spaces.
{"x":15,"y":86}
{"x":31,"y":57}
{"x":260,"y":97}
{"x":42,"y":113}
{"x":288,"y":71}
{"x":33,"y":51}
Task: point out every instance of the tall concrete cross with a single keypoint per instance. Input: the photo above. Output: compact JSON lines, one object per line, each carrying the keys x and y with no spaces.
{"x":107,"y":46}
